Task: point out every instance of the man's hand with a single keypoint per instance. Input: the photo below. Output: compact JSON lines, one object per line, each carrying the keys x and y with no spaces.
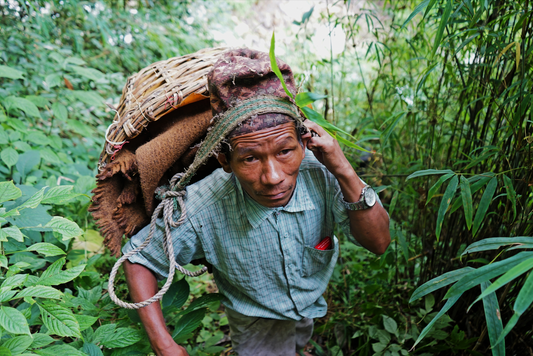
{"x":369,"y":226}
{"x":171,"y":350}
{"x":327,"y":150}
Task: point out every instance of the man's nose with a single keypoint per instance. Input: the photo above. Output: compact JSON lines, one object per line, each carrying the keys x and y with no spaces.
{"x":272,"y":173}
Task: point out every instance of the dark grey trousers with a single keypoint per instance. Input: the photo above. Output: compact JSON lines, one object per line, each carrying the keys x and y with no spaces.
{"x":251,"y":336}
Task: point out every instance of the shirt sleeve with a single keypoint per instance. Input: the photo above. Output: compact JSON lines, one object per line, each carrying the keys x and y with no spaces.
{"x":187,"y":247}
{"x":341,"y":214}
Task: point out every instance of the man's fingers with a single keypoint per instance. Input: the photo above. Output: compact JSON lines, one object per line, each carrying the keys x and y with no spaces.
{"x":315,"y":128}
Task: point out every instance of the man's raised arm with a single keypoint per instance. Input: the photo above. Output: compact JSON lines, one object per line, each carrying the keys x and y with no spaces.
{"x":369,"y":226}
{"x":142,"y":285}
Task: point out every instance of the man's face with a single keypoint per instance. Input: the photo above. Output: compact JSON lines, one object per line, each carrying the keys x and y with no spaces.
{"x":266,"y":163}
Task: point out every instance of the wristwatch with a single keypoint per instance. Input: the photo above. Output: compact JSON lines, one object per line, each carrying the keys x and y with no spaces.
{"x":367,"y":200}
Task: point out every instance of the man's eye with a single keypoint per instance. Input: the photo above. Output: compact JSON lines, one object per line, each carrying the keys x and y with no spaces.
{"x":284,"y":152}
{"x":249,"y":159}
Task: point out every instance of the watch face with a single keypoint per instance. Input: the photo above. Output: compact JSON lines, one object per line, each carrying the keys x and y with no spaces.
{"x":370,"y":197}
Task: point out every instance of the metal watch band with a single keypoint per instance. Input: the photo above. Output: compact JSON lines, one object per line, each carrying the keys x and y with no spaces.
{"x":362,"y":203}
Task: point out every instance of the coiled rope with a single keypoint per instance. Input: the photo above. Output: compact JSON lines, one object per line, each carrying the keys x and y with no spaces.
{"x":167,"y":206}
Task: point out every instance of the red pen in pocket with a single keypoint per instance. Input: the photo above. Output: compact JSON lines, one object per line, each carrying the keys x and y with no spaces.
{"x":324,"y":244}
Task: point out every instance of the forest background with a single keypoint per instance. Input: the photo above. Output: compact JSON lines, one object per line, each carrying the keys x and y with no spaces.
{"x":437,"y":91}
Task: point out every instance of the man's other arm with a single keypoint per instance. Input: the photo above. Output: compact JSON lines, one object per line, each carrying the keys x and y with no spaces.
{"x":142,"y":285}
{"x":370,"y":226}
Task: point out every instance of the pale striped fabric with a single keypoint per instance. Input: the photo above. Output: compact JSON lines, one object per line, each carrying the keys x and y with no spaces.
{"x":264,"y":260}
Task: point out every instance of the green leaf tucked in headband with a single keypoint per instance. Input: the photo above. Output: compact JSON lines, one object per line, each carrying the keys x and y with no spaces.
{"x":275,"y":67}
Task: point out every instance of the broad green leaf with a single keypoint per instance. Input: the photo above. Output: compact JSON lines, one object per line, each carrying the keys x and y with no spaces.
{"x":91,"y":349}
{"x":484,"y":203}
{"x":522,"y":303}
{"x":449,"y":303}
{"x":417,"y":9}
{"x":68,"y":229}
{"x":8,"y":191}
{"x":33,"y":201}
{"x":122,"y":337}
{"x":13,"y":321}
{"x":49,"y":156}
{"x":60,"y":276}
{"x":494,"y":243}
{"x":60,"y":350}
{"x":486,"y":273}
{"x":14,"y":232}
{"x":403,"y":244}
{"x":439,"y":282}
{"x":435,"y":188}
{"x":18,"y":344}
{"x":390,"y":324}
{"x":3,"y":261}
{"x":511,"y":194}
{"x":25,"y":105}
{"x":4,"y":351}
{"x":103,"y":331}
{"x":177,"y":294}
{"x":203,"y":302}
{"x":60,"y":194}
{"x":275,"y":67}
{"x":445,"y":203}
{"x":442,"y":25}
{"x":40,"y":292}
{"x":90,"y":98}
{"x":90,"y":73}
{"x":9,"y":156}
{"x":11,"y":73}
{"x":60,"y":111}
{"x":38,"y":138}
{"x":27,"y":161}
{"x":306,"y":98}
{"x":515,"y":272}
{"x":6,"y":294}
{"x":59,"y":320}
{"x":74,"y":60}
{"x":466,"y":196}
{"x":429,"y":172}
{"x":53,"y":80}
{"x":39,"y":101}
{"x":47,"y":249}
{"x":395,"y":120}
{"x":189,"y":322}
{"x":494,"y":321}
{"x":85,"y":321}
{"x":41,"y":340}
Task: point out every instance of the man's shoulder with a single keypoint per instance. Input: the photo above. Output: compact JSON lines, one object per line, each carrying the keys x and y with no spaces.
{"x":210,"y":190}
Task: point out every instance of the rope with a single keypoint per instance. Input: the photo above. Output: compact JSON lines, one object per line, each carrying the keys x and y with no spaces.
{"x":167,"y":206}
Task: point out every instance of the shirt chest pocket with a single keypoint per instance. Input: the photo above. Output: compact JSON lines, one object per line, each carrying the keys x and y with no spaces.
{"x":317,"y":260}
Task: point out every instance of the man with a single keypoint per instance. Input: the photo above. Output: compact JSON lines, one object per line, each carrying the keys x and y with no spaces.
{"x":259,"y":219}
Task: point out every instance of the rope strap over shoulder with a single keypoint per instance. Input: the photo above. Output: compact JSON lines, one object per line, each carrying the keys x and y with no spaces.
{"x":224,"y":124}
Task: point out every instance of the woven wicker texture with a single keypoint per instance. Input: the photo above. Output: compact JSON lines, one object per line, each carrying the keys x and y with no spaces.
{"x":154,"y":92}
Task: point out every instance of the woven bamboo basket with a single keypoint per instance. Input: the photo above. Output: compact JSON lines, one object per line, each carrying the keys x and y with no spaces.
{"x":154,"y":92}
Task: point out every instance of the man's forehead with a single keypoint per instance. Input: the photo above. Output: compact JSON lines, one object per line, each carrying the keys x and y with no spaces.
{"x":279,"y":134}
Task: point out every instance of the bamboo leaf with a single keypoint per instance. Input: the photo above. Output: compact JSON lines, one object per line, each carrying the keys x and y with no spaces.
{"x":417,"y":9}
{"x":439,"y":282}
{"x":484,"y":203}
{"x":442,"y":26}
{"x":522,"y":303}
{"x":503,"y":52}
{"x":386,"y":134}
{"x":393,"y":202}
{"x":306,"y":98}
{"x":517,"y":55}
{"x":494,"y":243}
{"x":403,"y":244}
{"x":435,"y":188}
{"x":449,"y":303}
{"x":511,"y":194}
{"x":485,"y":273}
{"x":429,"y":172}
{"x":445,"y":203}
{"x":275,"y":67}
{"x":466,"y":196}
{"x":316,"y":117}
{"x":349,"y":143}
{"x":507,"y":277}
{"x":494,"y":321}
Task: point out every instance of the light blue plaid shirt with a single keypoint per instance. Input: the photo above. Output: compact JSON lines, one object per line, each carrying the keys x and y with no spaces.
{"x":264,"y":260}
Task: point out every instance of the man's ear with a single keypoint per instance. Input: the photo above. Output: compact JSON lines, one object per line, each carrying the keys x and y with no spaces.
{"x":305,"y":139}
{"x":223,"y":160}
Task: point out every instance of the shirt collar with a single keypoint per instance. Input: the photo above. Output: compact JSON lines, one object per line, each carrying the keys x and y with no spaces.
{"x":256,"y":213}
